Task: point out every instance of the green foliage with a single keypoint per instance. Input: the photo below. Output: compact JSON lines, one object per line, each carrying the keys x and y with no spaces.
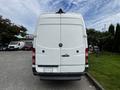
{"x":109,"y":40}
{"x":117,"y":39}
{"x":8,"y":30}
{"x":92,"y":36}
{"x":111,"y":29}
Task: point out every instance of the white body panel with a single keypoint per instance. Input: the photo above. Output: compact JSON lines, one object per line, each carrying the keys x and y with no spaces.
{"x":49,"y":43}
{"x":53,"y":29}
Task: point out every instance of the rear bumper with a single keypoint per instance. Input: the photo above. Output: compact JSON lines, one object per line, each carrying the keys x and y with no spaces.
{"x":13,"y":48}
{"x":59,"y":76}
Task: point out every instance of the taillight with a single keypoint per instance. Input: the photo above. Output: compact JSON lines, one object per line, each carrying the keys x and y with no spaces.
{"x":33,"y":56}
{"x":86,"y":56}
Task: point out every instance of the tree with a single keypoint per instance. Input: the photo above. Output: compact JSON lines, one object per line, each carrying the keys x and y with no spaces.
{"x":95,"y":38}
{"x":111,"y":29}
{"x":8,"y":30}
{"x":110,"y":41}
{"x":92,"y":36}
{"x":23,"y":31}
{"x":117,"y":39}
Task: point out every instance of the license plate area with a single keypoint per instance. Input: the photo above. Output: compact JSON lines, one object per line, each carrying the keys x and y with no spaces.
{"x":48,"y":69}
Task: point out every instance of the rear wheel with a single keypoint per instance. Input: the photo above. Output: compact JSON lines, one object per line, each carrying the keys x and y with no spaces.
{"x":34,"y":71}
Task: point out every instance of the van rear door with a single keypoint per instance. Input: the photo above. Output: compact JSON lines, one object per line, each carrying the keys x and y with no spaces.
{"x":73,"y":51}
{"x":47,"y":42}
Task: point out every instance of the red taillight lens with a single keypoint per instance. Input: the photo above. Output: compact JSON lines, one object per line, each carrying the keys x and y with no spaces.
{"x":33,"y":56}
{"x":86,"y":56}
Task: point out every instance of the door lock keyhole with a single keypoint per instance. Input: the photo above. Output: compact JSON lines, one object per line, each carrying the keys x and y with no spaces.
{"x":60,"y":44}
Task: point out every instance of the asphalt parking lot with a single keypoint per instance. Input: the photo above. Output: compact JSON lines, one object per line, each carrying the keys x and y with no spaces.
{"x":16,"y":74}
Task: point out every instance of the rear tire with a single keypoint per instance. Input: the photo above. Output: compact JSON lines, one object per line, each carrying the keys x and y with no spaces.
{"x":34,"y":71}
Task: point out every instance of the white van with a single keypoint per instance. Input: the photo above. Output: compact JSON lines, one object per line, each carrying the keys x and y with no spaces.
{"x":16,"y":45}
{"x":60,"y":50}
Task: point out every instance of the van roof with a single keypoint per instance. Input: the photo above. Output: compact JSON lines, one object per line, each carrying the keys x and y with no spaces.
{"x":66,"y":15}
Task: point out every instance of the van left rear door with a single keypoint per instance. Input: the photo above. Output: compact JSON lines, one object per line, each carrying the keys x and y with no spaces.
{"x":47,"y":42}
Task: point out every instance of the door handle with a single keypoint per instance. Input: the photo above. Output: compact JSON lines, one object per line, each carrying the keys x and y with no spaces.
{"x":66,"y":55}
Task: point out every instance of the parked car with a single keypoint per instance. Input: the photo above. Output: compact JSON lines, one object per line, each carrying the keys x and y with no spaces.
{"x":16,"y":45}
{"x":60,"y":49}
{"x":3,"y":47}
{"x":28,"y":45}
{"x":96,"y":49}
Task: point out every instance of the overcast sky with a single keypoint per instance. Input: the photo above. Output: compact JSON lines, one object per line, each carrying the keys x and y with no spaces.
{"x":97,"y":13}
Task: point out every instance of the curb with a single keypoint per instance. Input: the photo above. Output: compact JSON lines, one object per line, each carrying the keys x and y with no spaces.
{"x":94,"y":82}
